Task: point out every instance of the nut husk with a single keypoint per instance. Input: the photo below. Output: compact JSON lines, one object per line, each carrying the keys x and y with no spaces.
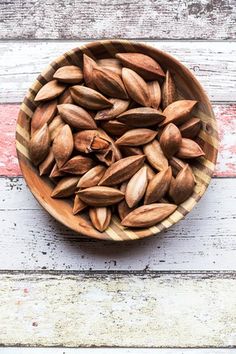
{"x":148,"y":215}
{"x":155,"y":155}
{"x":135,"y":86}
{"x":92,"y":177}
{"x":144,"y":65}
{"x":63,"y":145}
{"x":69,"y":74}
{"x":158,"y":186}
{"x":170,"y":140}
{"x":136,"y":137}
{"x":39,"y":145}
{"x":65,"y":187}
{"x":89,"y":98}
{"x":178,"y":112}
{"x":109,"y":83}
{"x":44,"y":113}
{"x":141,"y":117}
{"x":168,"y":91}
{"x":100,"y":217}
{"x":100,"y":196}
{"x":119,"y":106}
{"x":136,"y":187}
{"x":181,"y":188}
{"x":191,"y":128}
{"x":50,"y":90}
{"x":189,"y":149}
{"x":77,"y":117}
{"x":78,"y":165}
{"x":122,"y":170}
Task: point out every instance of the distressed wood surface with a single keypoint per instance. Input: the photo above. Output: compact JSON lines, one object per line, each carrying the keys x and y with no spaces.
{"x":213,"y":63}
{"x":225,"y":115}
{"x":26,"y":350}
{"x":115,"y":309}
{"x":202,"y":19}
{"x":31,"y":239}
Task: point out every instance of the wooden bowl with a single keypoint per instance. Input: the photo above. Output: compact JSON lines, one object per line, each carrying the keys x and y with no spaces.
{"x":187,"y":86}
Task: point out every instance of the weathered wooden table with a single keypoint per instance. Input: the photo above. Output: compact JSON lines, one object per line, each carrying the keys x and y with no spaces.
{"x":176,"y":290}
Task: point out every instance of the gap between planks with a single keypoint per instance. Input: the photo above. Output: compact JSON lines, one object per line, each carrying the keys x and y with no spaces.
{"x":50,"y":310}
{"x":205,"y":239}
{"x":213,"y":63}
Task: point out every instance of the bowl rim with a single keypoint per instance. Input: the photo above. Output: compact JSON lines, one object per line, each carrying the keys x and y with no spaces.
{"x":155,"y":229}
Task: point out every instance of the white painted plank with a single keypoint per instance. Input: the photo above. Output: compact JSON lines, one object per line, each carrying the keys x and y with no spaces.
{"x":118,"y":309}
{"x":212,"y":62}
{"x":26,"y":350}
{"x":206,"y":239}
{"x":203,"y":19}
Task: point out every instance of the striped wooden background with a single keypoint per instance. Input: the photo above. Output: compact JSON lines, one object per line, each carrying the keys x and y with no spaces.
{"x":177,"y":290}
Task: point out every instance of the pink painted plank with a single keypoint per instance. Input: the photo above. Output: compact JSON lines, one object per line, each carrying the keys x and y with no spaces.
{"x":226,"y":117}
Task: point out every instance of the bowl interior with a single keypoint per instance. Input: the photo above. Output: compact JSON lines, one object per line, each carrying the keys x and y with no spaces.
{"x":188,"y":87}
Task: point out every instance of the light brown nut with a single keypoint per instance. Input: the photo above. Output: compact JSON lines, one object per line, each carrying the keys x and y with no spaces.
{"x":119,"y":106}
{"x":50,"y":90}
{"x":135,"y":86}
{"x":69,"y":74}
{"x":114,"y":127}
{"x":158,"y":186}
{"x":44,"y":113}
{"x":137,"y":137}
{"x":189,"y":149}
{"x":170,"y":140}
{"x":100,"y":218}
{"x":89,"y":98}
{"x":154,"y":94}
{"x":191,"y":128}
{"x":136,"y":187}
{"x":111,"y":64}
{"x":65,"y":97}
{"x":144,"y":65}
{"x":181,"y":188}
{"x":92,"y":177}
{"x":148,"y":215}
{"x":122,"y":170}
{"x":88,"y":141}
{"x":79,"y":205}
{"x":63,"y":145}
{"x":88,"y":65}
{"x":178,"y":112}
{"x":176,"y":165}
{"x":150,"y":172}
{"x":46,"y":166}
{"x":78,"y":165}
{"x":123,"y":208}
{"x":99,"y":196}
{"x":55,"y":172}
{"x":39,"y":145}
{"x":65,"y":187}
{"x":155,"y":155}
{"x":141,"y":117}
{"x":76,"y":117}
{"x":109,"y":83}
{"x":168,"y":91}
{"x":55,"y":126}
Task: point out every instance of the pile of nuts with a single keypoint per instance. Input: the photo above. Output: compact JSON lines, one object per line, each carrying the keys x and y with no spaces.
{"x":114,"y":135}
